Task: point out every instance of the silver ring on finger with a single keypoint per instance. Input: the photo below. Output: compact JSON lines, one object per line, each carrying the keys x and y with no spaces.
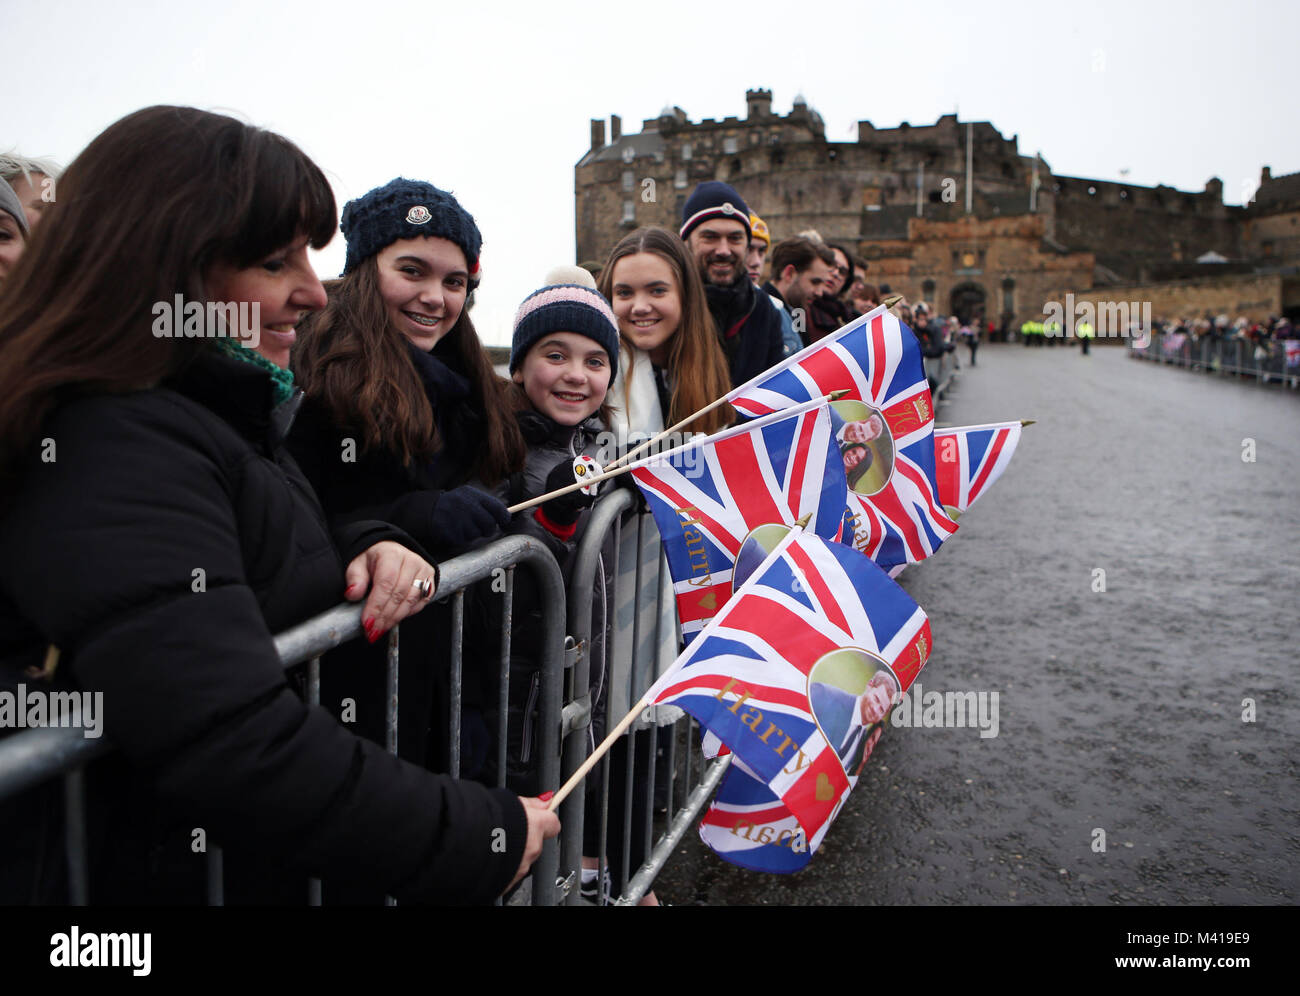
{"x":425,"y":585}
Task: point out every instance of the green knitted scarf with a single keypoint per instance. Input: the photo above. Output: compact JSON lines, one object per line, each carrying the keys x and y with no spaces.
{"x":281,"y":379}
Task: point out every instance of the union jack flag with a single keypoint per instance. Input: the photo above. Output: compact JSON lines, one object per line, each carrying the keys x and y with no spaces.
{"x":970,"y":458}
{"x":781,"y":676}
{"x":708,"y":495}
{"x":876,"y":359}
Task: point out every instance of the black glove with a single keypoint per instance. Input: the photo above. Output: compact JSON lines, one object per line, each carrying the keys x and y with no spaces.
{"x":465,"y":514}
{"x":564,"y":510}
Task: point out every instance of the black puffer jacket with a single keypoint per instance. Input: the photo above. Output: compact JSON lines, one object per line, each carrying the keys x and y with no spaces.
{"x":376,"y":485}
{"x":102,"y":552}
{"x":549,"y":444}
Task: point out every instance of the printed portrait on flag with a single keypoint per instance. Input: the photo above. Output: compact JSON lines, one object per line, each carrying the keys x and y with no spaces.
{"x":851,"y":691}
{"x":866,"y":445}
{"x":754,"y":550}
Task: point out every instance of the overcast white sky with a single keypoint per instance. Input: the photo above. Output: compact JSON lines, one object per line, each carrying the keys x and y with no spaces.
{"x":493,"y":101}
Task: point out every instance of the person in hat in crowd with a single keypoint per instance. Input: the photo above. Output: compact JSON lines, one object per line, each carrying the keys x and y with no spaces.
{"x":800,"y":269}
{"x":394,"y":366}
{"x":758,"y":243}
{"x":716,"y":230}
{"x":33,"y":181}
{"x":13,"y":229}
{"x":759,"y":240}
{"x":406,"y":421}
{"x":156,"y":534}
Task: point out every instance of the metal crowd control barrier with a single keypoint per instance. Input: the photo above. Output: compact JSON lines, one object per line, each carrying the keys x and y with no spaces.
{"x":34,"y":756}
{"x":598,"y":646}
{"x":1266,"y":362}
{"x":941,"y":370}
{"x":564,"y":716}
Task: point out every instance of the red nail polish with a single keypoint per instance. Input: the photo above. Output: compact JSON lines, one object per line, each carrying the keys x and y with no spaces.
{"x":546,"y":796}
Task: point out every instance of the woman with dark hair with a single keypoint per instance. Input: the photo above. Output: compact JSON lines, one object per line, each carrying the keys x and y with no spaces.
{"x":403,"y":407}
{"x":403,"y":412}
{"x":157,"y":534}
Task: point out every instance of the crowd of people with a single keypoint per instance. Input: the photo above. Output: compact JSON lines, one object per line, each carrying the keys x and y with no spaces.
{"x":1221,"y":328}
{"x":174,"y":492}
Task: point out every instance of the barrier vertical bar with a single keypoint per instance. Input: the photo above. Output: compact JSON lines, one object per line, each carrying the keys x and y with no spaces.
{"x":503,"y":684}
{"x":216,"y":877}
{"x":313,"y":698}
{"x":74,"y":804}
{"x":457,"y":675}
{"x":390,"y":718}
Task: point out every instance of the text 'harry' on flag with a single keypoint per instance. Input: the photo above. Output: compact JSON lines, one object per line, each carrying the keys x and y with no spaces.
{"x":794,"y":675}
{"x":710,"y":494}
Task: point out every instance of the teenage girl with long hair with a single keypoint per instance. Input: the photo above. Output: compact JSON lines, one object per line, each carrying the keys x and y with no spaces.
{"x":673,"y":364}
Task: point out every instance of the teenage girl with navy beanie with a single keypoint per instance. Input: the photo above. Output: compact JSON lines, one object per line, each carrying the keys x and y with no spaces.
{"x":403,"y":410}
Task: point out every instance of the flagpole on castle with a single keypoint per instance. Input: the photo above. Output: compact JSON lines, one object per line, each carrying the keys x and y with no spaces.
{"x":645,"y":702}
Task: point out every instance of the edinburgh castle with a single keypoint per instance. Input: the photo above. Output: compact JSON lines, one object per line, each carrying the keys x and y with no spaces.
{"x":999,"y":246}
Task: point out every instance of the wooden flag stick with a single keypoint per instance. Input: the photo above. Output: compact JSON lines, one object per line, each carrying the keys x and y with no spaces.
{"x":596,"y":755}
{"x":1028,"y":421}
{"x":613,"y":470}
{"x":654,"y":439}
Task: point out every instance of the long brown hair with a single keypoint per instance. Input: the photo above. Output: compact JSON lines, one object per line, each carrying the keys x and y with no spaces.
{"x":696,"y":362}
{"x":351,"y":358}
{"x":141,"y":214}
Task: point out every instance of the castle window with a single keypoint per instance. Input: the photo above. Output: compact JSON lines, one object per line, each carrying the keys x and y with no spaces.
{"x":628,"y":180}
{"x":1008,"y":296}
{"x":629,"y":212}
{"x":1123,"y":195}
{"x":730,"y":146}
{"x":1092,"y":191}
{"x":687,"y":151}
{"x":679,"y":179}
{"x":735,"y":168}
{"x":927,"y":290}
{"x":830,"y":154}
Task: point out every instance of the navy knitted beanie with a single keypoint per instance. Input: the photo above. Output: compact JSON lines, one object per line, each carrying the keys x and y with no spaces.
{"x":407,"y":209}
{"x":565,"y":308}
{"x":714,"y":199}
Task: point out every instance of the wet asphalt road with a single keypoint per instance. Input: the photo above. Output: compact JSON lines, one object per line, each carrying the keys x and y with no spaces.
{"x":1119,"y":710}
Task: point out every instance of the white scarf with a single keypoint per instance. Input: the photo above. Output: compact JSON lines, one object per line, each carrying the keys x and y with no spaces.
{"x":637,"y":412}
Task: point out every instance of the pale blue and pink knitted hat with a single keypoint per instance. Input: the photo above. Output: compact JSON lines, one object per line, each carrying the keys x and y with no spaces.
{"x":565,"y":308}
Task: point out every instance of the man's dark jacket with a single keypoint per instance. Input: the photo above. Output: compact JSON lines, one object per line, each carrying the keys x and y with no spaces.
{"x":748,"y":326}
